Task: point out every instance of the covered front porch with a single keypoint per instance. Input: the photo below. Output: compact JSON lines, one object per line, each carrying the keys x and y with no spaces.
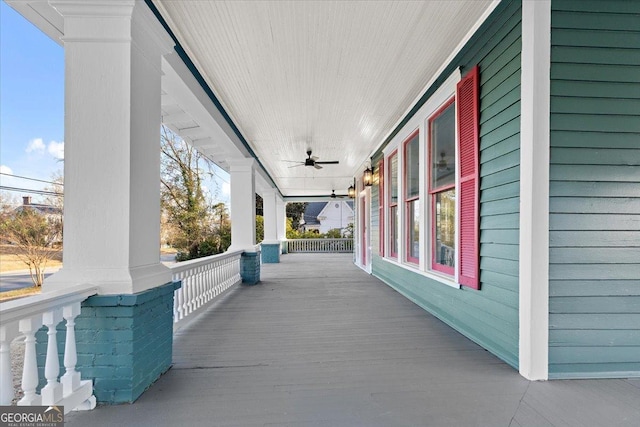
{"x":321,"y":343}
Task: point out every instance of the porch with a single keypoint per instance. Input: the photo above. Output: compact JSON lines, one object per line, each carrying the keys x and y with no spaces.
{"x":319,"y":342}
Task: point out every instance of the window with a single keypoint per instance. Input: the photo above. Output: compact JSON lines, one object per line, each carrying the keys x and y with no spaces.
{"x":442,"y":181}
{"x":412,"y":197}
{"x":393,"y":204}
{"x":381,"y":204}
{"x":448,"y":216}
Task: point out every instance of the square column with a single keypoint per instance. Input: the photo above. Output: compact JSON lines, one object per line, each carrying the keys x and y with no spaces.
{"x":281,"y":222}
{"x":243,"y":218}
{"x":243,"y":205}
{"x":113,"y":56}
{"x":534,"y":190}
{"x":271,"y":244}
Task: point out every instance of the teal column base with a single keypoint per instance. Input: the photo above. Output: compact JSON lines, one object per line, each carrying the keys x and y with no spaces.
{"x":285,"y":247}
{"x":270,"y":253}
{"x":124,"y":342}
{"x":250,"y":267}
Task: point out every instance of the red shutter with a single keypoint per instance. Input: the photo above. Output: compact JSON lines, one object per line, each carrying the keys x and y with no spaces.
{"x":468,"y":222}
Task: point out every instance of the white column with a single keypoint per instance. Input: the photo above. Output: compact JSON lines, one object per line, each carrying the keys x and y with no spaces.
{"x":281,"y":219}
{"x":112,"y":146}
{"x":243,"y":205}
{"x":534,"y":190}
{"x":269,"y":205}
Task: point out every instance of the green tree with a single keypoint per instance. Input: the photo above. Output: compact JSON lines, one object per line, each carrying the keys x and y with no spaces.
{"x":259,"y":205}
{"x":259,"y":228}
{"x":348,"y":231}
{"x":334,"y":233}
{"x":33,"y":236}
{"x":292,"y":233}
{"x":219,"y":238}
{"x":182,"y":199}
{"x":295,"y":211}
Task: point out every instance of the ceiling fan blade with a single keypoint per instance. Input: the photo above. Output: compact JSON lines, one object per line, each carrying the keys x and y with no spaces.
{"x":331,"y":162}
{"x":295,"y":166}
{"x":317,"y":166}
{"x":292,"y":161}
{"x":314,"y":158}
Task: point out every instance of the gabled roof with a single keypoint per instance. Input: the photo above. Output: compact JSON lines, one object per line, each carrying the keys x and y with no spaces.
{"x":42,"y":209}
{"x":322,"y":212}
{"x":312,"y":211}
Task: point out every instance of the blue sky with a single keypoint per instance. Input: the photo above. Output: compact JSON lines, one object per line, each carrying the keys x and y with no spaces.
{"x":31,"y":102}
{"x":32,"y":107}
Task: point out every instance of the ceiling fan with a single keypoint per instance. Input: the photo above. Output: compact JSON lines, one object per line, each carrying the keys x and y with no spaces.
{"x":312,"y":161}
{"x":337,"y":196}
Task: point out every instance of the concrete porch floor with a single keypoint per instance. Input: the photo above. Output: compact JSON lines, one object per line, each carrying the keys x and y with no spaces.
{"x":321,"y":343}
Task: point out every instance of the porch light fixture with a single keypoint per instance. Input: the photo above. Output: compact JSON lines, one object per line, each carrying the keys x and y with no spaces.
{"x":368,"y":177}
{"x":351,"y":192}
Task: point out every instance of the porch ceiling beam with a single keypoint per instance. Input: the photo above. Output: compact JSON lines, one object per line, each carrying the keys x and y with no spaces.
{"x":180,"y":117}
{"x":192,"y":133}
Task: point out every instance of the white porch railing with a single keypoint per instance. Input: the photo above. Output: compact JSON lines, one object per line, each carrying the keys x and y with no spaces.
{"x":320,"y":245}
{"x":26,"y":316}
{"x":202,"y":280}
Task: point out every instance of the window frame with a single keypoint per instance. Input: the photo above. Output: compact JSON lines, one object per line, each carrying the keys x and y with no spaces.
{"x":445,"y":92}
{"x":409,"y":200}
{"x":433,"y":192}
{"x":393,"y":231}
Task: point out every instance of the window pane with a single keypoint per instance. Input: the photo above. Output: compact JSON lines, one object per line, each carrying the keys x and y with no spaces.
{"x":393,"y":230}
{"x":393,"y":171}
{"x":445,"y":220}
{"x":412,"y":162}
{"x":413,"y":213}
{"x":443,"y":146}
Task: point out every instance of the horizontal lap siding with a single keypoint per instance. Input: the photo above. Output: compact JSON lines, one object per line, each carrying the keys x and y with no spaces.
{"x":595,"y":189}
{"x":489,"y":316}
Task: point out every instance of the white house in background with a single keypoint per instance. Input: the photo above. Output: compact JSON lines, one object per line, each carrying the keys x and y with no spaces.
{"x":325,"y":216}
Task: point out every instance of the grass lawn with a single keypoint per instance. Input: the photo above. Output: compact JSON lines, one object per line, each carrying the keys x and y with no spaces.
{"x":18,"y":293}
{"x":9,"y":261}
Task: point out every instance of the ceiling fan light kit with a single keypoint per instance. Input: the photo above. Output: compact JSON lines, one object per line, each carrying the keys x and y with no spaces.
{"x":313,"y":161}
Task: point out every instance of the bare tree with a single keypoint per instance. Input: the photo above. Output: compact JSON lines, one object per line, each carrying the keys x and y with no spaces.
{"x":55,"y":201}
{"x":8,"y":203}
{"x":33,"y":235}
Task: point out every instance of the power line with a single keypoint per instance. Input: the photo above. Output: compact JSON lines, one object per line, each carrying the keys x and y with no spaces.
{"x":27,"y":190}
{"x":32,"y":179}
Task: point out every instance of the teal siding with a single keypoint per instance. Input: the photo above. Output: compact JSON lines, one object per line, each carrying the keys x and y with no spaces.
{"x":594,"y":218}
{"x":489,"y":316}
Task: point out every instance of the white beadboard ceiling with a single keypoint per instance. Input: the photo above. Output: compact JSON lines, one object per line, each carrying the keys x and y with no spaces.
{"x":333,"y":76}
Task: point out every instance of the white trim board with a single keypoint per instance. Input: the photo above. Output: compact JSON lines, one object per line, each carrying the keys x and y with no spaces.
{"x":534,"y":190}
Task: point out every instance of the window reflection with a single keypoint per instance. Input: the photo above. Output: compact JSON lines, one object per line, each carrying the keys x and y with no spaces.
{"x":445,"y":238}
{"x":413,"y":215}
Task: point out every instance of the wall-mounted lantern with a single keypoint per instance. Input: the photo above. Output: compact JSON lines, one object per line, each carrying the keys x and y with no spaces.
{"x":367,"y":178}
